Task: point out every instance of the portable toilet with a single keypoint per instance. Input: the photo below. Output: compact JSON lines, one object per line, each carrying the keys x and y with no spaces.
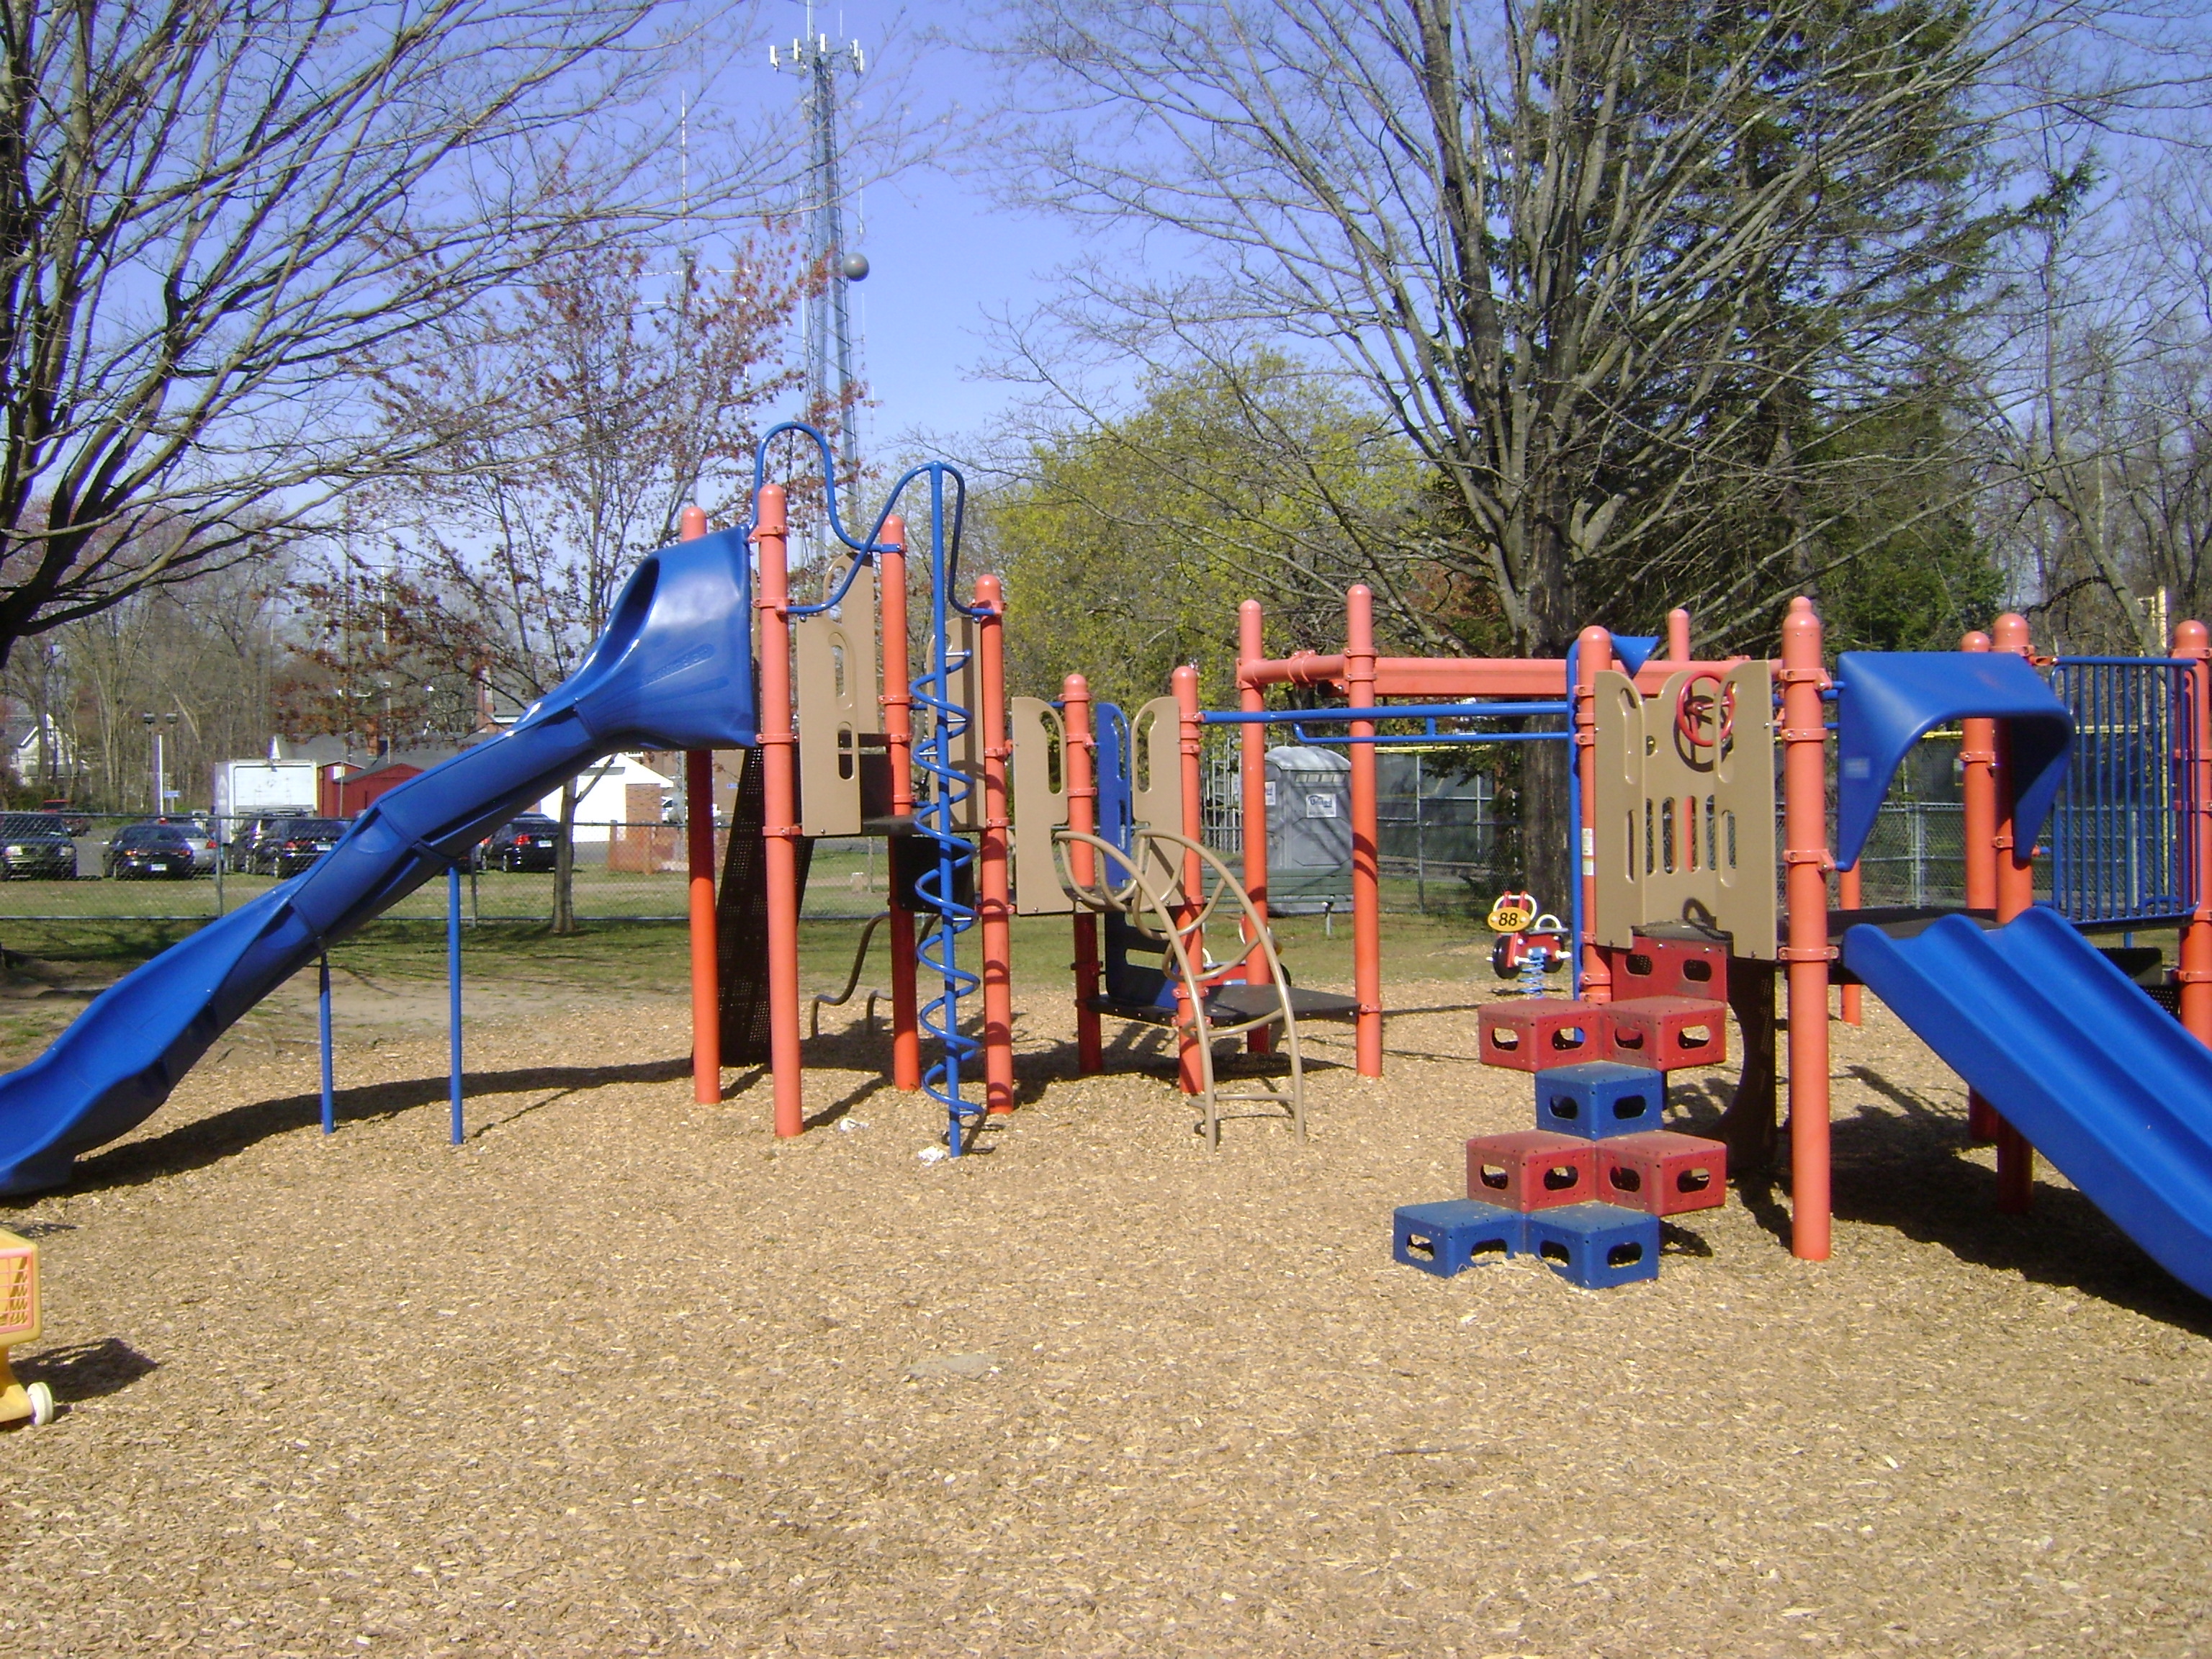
{"x":1309,"y":829}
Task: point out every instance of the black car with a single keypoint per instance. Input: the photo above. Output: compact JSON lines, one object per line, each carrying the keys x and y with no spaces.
{"x":146,"y":851}
{"x":301,"y":841}
{"x":36,"y":845}
{"x":530,"y":842}
{"x":252,"y":849}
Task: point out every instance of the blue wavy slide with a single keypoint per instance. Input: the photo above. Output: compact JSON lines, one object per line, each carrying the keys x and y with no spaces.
{"x":672,"y":671}
{"x":2105,"y":1083}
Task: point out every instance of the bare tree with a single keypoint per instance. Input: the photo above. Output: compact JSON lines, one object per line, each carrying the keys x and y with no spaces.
{"x":2095,"y":428}
{"x":575,"y":421}
{"x":211,"y":210}
{"x":1599,"y":259}
{"x":1581,"y":250}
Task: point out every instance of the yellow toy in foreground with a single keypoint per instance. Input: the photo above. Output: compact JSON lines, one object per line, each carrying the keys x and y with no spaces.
{"x":18,"y":1323}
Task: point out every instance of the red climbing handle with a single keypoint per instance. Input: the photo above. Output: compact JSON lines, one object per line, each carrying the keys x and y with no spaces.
{"x":1690,"y":710}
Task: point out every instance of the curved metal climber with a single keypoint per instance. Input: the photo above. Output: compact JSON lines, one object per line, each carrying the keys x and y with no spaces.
{"x":1151,"y":909}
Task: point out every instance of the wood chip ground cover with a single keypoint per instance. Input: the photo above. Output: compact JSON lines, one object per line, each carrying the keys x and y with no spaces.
{"x":625,"y":1376}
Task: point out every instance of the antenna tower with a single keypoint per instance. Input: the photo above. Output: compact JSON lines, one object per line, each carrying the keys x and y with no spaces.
{"x":828,"y":322}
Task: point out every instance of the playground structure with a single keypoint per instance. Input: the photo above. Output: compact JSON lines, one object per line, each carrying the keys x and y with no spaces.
{"x":993,"y":806}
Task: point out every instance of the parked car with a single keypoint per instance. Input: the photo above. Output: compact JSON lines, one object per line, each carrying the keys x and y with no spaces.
{"x":143,"y":851}
{"x":252,"y":849}
{"x":303,"y":841}
{"x":531,"y":841}
{"x":205,"y":847}
{"x":36,"y":845}
{"x":80,"y":823}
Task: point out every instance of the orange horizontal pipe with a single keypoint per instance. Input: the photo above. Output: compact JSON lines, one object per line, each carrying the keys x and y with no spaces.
{"x":1455,"y":676}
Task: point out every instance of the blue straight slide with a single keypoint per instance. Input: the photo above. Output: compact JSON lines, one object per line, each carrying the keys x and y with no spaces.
{"x":2102,"y":1081}
{"x":672,"y":671}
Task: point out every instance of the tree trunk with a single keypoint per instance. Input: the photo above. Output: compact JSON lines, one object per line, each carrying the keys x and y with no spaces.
{"x":564,"y":862}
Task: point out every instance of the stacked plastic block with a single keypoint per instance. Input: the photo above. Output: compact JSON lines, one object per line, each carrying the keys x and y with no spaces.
{"x":1674,"y":1014}
{"x":1583,"y":1191}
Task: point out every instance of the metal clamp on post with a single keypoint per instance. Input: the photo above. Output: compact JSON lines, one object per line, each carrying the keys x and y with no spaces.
{"x":1807,"y":953}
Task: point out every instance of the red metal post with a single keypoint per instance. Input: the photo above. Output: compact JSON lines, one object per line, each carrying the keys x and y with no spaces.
{"x":1978,"y":759}
{"x":993,"y":903}
{"x":898,"y":744}
{"x":780,"y":835}
{"x":1080,"y":766}
{"x":699,"y":856}
{"x":1366,"y":838}
{"x":2194,"y":974}
{"x":1189,"y":745}
{"x":1807,"y":859}
{"x":2015,"y":870}
{"x":1251,"y":645}
{"x":1593,"y":655}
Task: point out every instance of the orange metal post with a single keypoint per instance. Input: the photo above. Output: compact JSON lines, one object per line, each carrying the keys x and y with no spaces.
{"x":1251,"y":641}
{"x":1366,"y":874}
{"x":993,"y":903}
{"x":898,"y":743}
{"x":1678,"y":634}
{"x":1593,"y":655}
{"x":780,"y":835}
{"x":2194,"y":975}
{"x":1978,"y":759}
{"x":1807,"y":859}
{"x":1851,"y":895}
{"x":699,"y":856}
{"x":2016,"y":866}
{"x":1079,"y":762}
{"x":1184,"y":683}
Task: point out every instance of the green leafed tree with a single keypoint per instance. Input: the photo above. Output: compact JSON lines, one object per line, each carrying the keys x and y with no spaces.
{"x":1127,"y":539}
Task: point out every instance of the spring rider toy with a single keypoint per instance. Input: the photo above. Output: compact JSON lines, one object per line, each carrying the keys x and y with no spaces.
{"x":1532,"y":941}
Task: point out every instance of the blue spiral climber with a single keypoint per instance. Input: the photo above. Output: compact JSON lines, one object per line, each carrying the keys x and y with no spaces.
{"x":945,"y":788}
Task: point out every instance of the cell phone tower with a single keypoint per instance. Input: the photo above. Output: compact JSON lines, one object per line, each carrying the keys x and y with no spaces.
{"x":829,"y":322}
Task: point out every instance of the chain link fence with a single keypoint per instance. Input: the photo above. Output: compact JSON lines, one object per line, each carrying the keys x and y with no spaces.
{"x":637,"y":874}
{"x":1441,"y":855}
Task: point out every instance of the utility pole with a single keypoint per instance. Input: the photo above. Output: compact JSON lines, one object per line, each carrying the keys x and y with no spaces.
{"x":829,"y":387}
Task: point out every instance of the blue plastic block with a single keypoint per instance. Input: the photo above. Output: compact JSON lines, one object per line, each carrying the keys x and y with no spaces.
{"x":1444,"y":1238}
{"x":1597,"y":1246}
{"x":1599,"y":1099}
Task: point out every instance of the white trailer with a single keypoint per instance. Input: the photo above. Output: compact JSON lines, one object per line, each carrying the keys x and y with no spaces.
{"x":253,"y":788}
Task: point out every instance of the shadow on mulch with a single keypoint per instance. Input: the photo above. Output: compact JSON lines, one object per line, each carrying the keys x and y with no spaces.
{"x":211,"y":1139}
{"x":1905,"y":1168}
{"x":86,"y":1371}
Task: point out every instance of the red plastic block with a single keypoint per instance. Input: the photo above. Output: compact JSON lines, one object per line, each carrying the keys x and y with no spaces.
{"x":1667,"y":1033}
{"x":1662,"y":1173}
{"x":1534,"y":1033}
{"x":1670,"y":968}
{"x":1532,"y":1169}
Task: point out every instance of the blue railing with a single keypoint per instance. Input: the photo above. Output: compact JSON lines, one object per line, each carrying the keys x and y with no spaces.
{"x":2119,"y":841}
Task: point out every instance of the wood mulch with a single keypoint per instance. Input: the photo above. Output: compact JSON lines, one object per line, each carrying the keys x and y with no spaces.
{"x":624,"y":1375}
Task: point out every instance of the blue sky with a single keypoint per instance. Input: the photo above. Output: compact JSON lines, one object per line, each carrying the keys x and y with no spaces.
{"x":945,"y":258}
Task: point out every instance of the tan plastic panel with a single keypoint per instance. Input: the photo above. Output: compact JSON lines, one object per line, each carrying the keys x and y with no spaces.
{"x":1685,"y":831}
{"x":834,"y":656}
{"x":1040,"y":789}
{"x":1156,"y":782}
{"x":968,"y":747}
{"x":1617,"y":803}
